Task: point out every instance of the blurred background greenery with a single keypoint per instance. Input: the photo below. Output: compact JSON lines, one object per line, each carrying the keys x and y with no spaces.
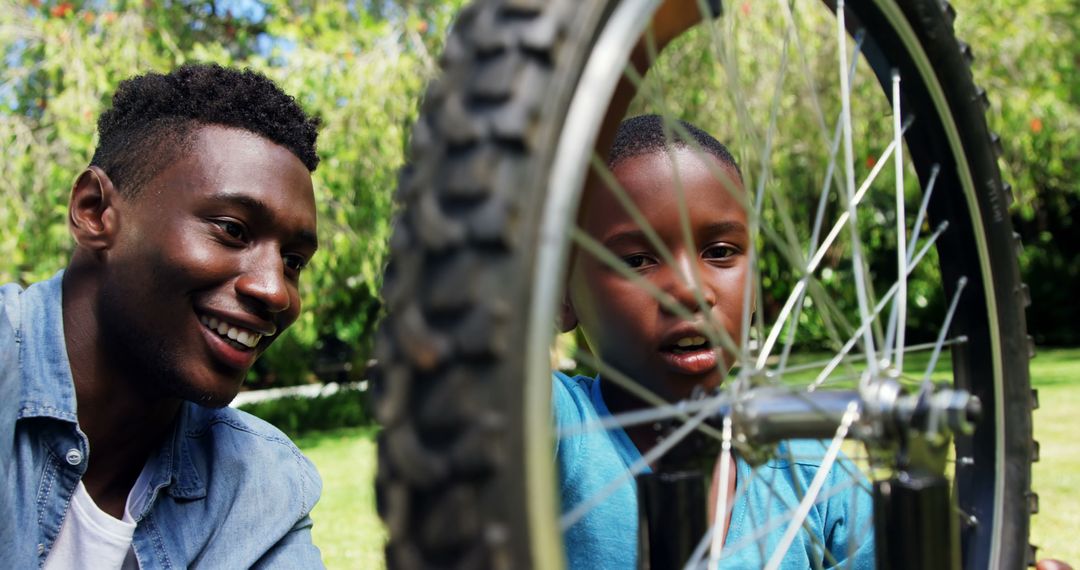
{"x":361,"y":66}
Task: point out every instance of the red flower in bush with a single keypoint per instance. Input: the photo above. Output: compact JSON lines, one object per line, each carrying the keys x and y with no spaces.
{"x":62,"y":9}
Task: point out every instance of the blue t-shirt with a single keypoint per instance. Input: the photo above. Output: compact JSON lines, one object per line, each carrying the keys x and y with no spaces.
{"x":766,"y":497}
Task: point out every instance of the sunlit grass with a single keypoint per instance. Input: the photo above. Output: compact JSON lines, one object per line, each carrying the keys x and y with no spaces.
{"x":347,"y":528}
{"x":351,"y":536}
{"x":1056,"y":374}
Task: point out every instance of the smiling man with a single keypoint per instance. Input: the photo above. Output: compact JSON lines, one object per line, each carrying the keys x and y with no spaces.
{"x":192,"y":226}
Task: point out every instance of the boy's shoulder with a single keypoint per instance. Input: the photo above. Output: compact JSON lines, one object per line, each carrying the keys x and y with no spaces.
{"x":572,"y":398}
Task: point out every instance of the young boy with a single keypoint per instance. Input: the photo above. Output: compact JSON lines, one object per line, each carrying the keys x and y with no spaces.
{"x":630,"y":330}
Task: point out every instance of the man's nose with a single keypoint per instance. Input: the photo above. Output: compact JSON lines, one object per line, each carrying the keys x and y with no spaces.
{"x":264,"y":281}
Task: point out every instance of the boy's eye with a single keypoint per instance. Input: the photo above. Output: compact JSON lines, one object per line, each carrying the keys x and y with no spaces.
{"x":636,"y":261}
{"x":295,"y":262}
{"x":233,"y":229}
{"x":719,"y":251}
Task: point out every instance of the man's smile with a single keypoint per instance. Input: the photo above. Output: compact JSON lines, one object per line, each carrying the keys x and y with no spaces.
{"x":240,"y":336}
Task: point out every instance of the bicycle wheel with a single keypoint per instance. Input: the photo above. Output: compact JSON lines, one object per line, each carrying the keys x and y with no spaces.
{"x":498,"y":157}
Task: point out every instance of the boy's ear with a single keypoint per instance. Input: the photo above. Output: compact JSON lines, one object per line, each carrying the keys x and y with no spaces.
{"x":567,"y":319}
{"x":92,"y":214}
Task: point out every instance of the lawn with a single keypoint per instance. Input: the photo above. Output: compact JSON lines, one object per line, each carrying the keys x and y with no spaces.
{"x":1056,"y":374}
{"x":347,"y":529}
{"x":351,"y":536}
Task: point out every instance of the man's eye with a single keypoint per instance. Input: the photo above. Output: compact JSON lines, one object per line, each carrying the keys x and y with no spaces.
{"x":636,"y":261}
{"x":295,"y":262}
{"x":232,"y":229}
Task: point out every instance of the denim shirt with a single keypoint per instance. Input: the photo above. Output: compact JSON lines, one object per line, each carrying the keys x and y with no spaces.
{"x":227,"y":490}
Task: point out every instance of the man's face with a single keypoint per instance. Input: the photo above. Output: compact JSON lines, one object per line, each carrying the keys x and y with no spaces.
{"x":205,"y":270}
{"x":626,"y":325}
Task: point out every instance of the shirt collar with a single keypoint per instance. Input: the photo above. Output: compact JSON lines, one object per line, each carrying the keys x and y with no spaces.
{"x":48,"y":390}
{"x":172,"y":468}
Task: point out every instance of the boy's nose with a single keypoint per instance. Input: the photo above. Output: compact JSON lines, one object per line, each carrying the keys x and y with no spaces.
{"x":687,"y":287}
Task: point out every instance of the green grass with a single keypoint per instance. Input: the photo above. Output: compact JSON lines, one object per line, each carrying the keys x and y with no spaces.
{"x":1056,"y":374}
{"x":351,"y":536}
{"x":347,"y":529}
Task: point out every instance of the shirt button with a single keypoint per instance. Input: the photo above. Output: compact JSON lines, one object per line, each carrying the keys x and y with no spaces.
{"x":74,"y":456}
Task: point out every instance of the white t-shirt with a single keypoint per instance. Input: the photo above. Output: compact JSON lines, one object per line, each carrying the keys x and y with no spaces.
{"x":92,"y":538}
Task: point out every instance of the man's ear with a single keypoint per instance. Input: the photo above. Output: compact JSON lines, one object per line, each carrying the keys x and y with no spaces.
{"x":92,"y":215}
{"x":567,"y":319}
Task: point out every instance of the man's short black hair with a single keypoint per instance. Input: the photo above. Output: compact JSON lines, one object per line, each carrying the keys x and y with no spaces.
{"x":154,"y":117}
{"x":644,"y":134}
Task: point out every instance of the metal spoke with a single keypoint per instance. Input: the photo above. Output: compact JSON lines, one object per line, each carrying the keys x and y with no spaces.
{"x":901,"y":232}
{"x":916,"y":230}
{"x":907,"y":349}
{"x":849,"y":171}
{"x":721,"y":512}
{"x":941,"y":334}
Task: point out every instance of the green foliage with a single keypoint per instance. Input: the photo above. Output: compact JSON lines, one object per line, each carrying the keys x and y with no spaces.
{"x":361,"y":72}
{"x":297,"y":415}
{"x":1028,"y":58}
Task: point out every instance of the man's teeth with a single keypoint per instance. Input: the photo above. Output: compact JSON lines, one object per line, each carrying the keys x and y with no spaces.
{"x":691,"y":341}
{"x":243,"y":336}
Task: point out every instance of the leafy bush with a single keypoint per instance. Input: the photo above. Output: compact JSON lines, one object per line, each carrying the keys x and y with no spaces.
{"x":297,"y":415}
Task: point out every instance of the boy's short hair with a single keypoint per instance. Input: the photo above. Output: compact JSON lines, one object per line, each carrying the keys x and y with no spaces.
{"x":154,"y":117}
{"x":644,"y":134}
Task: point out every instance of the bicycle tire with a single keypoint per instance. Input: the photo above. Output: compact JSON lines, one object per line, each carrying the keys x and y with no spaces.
{"x":456,"y":485}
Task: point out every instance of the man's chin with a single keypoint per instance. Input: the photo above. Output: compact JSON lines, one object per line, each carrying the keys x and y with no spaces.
{"x":216,"y":393}
{"x":213,"y":400}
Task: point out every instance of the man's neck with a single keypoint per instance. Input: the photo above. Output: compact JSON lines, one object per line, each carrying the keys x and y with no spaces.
{"x":123,"y":424}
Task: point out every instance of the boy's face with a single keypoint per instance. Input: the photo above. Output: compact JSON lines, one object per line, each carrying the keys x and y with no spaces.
{"x":627,"y":326}
{"x":205,"y":271}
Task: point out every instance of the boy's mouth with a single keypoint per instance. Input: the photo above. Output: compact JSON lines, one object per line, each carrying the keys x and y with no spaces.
{"x":690,"y":355}
{"x":689,"y":344}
